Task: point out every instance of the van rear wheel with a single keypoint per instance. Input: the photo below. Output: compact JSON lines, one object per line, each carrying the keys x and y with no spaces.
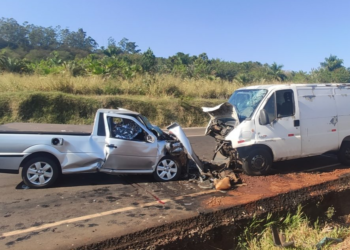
{"x":344,"y":154}
{"x":258,"y":162}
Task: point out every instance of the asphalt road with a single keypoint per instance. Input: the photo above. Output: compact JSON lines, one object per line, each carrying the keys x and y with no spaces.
{"x":85,"y":208}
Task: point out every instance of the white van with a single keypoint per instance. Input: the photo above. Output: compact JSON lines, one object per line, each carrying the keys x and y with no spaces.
{"x":268,"y":123}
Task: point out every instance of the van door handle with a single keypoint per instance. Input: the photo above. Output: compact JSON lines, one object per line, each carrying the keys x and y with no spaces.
{"x":111,"y":146}
{"x":296,"y":123}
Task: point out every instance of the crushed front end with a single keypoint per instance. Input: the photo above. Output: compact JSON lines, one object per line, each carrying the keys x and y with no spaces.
{"x":223,"y":120}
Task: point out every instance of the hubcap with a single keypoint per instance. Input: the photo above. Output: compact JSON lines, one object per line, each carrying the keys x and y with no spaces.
{"x":166,"y":169}
{"x":258,"y":162}
{"x":39,"y":173}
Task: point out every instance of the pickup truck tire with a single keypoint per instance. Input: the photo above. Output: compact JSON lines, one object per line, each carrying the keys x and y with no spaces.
{"x":258,"y":162}
{"x":167,"y":169}
{"x":344,"y":154}
{"x":40,"y":172}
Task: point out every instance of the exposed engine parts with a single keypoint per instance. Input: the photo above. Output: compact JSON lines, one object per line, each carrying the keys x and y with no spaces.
{"x":219,"y":129}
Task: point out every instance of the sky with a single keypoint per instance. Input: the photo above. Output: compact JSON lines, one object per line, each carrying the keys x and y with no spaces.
{"x":298,"y":34}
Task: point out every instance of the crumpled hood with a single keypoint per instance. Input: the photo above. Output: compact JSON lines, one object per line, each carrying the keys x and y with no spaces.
{"x":221,"y":111}
{"x":176,"y":130}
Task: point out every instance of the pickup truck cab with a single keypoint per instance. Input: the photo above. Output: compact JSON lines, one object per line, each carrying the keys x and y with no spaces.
{"x":268,"y":123}
{"x":121,"y":142}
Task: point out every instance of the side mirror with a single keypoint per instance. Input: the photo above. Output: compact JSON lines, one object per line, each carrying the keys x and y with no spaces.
{"x":149,"y":139}
{"x":263,"y":117}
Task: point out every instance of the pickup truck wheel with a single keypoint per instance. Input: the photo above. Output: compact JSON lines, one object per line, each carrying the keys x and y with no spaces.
{"x":344,"y":154}
{"x":167,"y":169}
{"x":258,"y":162}
{"x":40,"y":172}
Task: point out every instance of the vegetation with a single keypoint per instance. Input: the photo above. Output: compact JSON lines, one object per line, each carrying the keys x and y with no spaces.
{"x":58,"y":107}
{"x":32,"y":49}
{"x":296,"y":227}
{"x":54,"y":66}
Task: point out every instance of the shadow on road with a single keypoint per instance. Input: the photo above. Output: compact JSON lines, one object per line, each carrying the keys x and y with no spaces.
{"x":315,"y":164}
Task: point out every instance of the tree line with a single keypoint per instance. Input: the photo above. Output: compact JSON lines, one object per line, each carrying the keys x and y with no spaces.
{"x":31,"y":49}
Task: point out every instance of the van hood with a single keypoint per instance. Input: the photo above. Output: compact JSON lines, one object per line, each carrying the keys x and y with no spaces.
{"x":223,"y":119}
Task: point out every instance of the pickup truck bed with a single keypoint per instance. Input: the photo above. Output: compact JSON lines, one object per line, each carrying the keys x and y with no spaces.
{"x":44,"y":128}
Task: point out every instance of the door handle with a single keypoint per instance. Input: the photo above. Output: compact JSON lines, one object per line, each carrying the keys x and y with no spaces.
{"x":296,"y":123}
{"x":111,"y":146}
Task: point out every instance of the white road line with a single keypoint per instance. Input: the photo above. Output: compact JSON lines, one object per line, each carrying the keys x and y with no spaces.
{"x":92,"y":216}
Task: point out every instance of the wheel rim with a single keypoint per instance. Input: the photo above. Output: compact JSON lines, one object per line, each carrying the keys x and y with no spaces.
{"x":166,"y":169}
{"x":39,"y":173}
{"x":258,"y":162}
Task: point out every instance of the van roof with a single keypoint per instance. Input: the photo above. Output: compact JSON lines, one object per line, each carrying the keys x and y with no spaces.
{"x":313,"y":85}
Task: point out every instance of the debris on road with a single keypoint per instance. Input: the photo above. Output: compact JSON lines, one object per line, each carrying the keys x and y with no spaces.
{"x":221,"y":177}
{"x":222,"y":184}
{"x":325,"y":240}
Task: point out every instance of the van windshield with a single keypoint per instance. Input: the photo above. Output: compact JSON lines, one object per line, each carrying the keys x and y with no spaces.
{"x":246,"y":101}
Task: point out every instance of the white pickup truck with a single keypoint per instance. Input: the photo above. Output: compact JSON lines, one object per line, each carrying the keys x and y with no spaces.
{"x":121,"y":142}
{"x":268,"y":123}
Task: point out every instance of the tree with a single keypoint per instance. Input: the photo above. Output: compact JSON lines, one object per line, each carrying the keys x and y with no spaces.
{"x":44,"y":38}
{"x":276,"y":72}
{"x":77,"y":40}
{"x":148,"y":61}
{"x":112,"y":49}
{"x":202,"y":66}
{"x":332,"y":63}
{"x":13,"y":33}
{"x":128,"y":47}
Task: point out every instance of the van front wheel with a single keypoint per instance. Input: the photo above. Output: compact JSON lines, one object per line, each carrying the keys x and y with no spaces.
{"x":344,"y":154}
{"x":258,"y":162}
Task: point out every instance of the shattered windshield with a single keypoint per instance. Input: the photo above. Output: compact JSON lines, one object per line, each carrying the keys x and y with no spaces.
{"x":156,"y":130}
{"x":246,"y":101}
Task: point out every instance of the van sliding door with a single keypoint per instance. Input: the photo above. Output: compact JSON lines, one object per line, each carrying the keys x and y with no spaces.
{"x":318,"y":120}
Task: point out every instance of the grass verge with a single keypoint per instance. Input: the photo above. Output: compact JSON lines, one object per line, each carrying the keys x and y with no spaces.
{"x":295,"y":227}
{"x":62,"y":108}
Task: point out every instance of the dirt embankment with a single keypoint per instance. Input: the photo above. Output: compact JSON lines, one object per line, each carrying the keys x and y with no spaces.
{"x":224,"y":215}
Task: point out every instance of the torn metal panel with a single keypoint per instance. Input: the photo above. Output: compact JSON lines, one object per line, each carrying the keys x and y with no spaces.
{"x":176,"y":130}
{"x":223,"y":119}
{"x":334,"y":120}
{"x":309,"y":97}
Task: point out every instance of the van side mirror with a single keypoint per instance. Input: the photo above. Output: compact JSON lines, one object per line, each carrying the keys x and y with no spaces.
{"x":263,"y":117}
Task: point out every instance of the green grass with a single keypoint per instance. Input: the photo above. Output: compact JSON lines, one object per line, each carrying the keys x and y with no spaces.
{"x":62,"y":108}
{"x":62,"y":98}
{"x":296,"y":227}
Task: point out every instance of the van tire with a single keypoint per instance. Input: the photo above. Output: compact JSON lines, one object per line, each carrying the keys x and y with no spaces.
{"x":40,"y":172}
{"x":344,"y":153}
{"x":258,"y":162}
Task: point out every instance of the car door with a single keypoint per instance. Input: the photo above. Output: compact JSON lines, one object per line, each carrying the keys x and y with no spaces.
{"x":129,"y":145}
{"x":282,"y":133}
